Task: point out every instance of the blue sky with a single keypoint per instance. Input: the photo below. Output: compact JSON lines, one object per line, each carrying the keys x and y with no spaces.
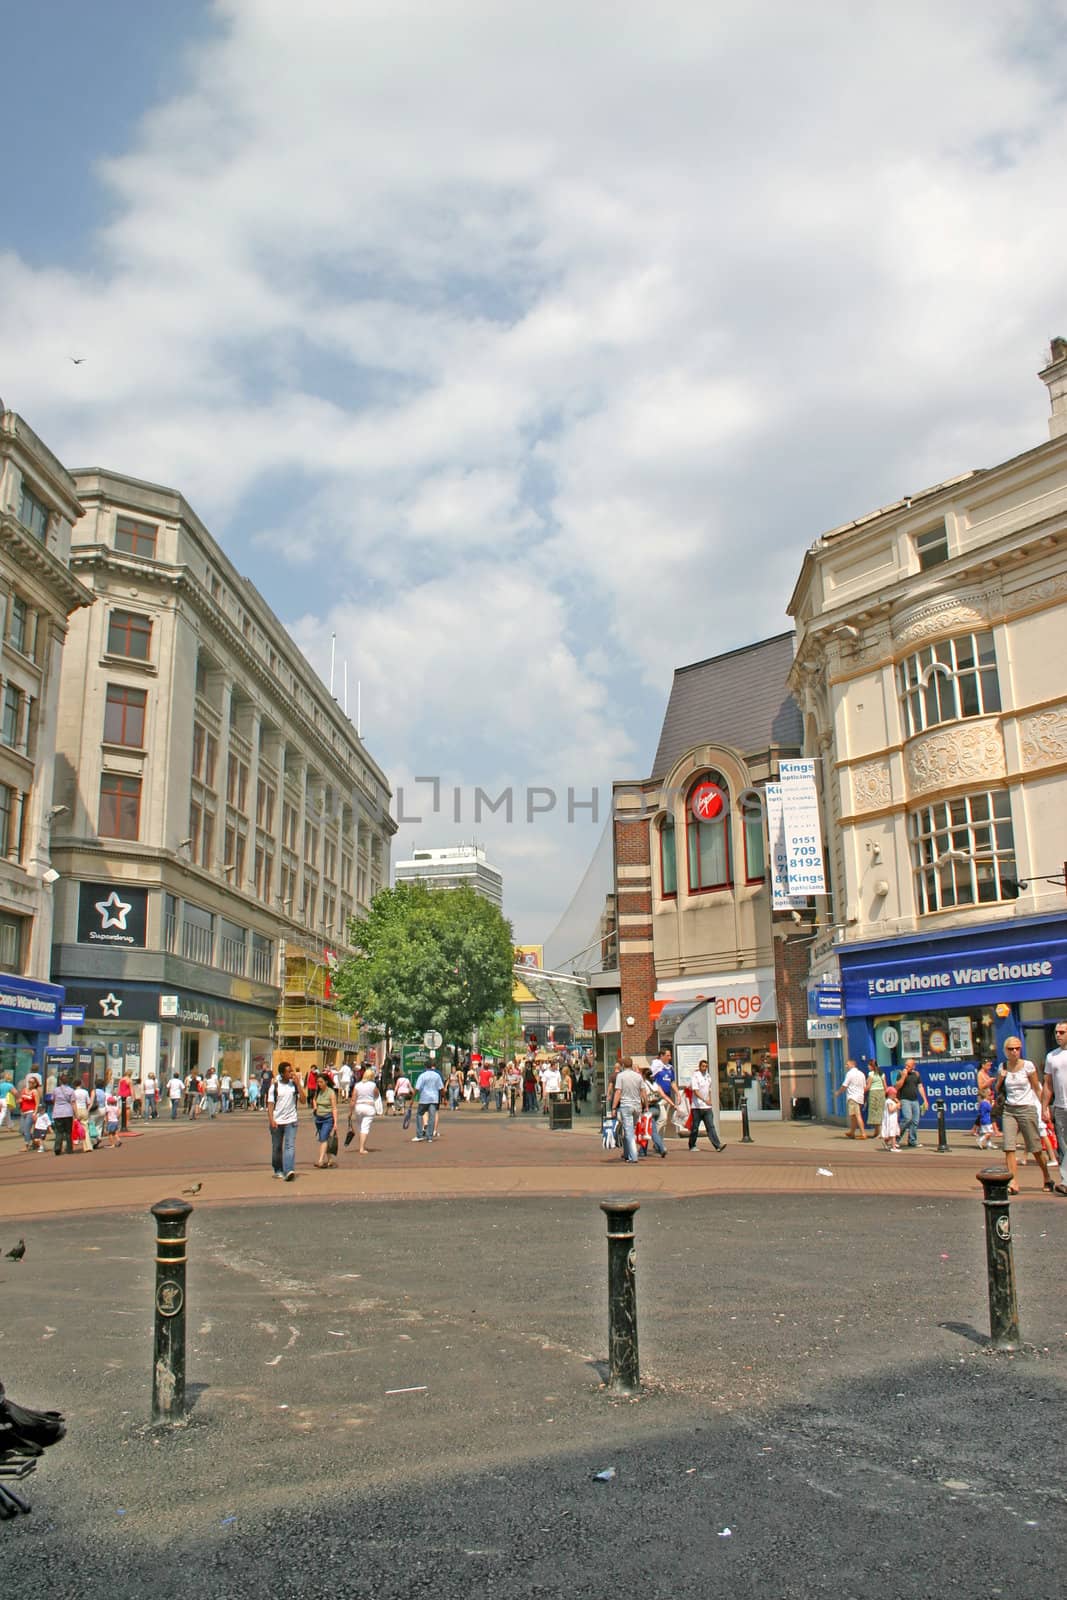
{"x":528,"y":347}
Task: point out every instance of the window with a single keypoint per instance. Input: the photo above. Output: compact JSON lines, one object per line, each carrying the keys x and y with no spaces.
{"x":708,"y":840}
{"x":205,"y":754}
{"x":668,"y":858}
{"x":262,"y":958}
{"x":755,"y":848}
{"x":11,"y":716}
{"x":170,"y":923}
{"x":7,"y":816}
{"x":236,"y":782}
{"x":198,"y":934}
{"x":265,"y":806}
{"x":120,"y":806}
{"x":329,"y":859}
{"x":239,"y":859}
{"x":947,"y":681}
{"x":124,"y":716}
{"x":136,"y":538}
{"x":22,"y":626}
{"x":201,"y":833}
{"x":931,"y":547}
{"x":129,"y":634}
{"x":963,"y":852}
{"x":12,"y":942}
{"x":263,"y":871}
{"x":233,"y":946}
{"x":289,"y":821}
{"x":33,"y":514}
{"x":346,"y":874}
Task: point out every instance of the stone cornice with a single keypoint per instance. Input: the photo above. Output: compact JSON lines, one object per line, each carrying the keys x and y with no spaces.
{"x":30,"y":552}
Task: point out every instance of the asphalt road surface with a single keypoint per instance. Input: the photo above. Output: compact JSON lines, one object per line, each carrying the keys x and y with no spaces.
{"x":816,"y":1382}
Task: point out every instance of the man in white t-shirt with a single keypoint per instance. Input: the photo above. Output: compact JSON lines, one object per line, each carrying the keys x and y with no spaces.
{"x":344,"y":1079}
{"x":226,"y":1091}
{"x":854,"y":1088}
{"x":702,"y":1089}
{"x":150,"y":1090}
{"x":1054,"y":1096}
{"x":281,"y":1114}
{"x":175,"y":1090}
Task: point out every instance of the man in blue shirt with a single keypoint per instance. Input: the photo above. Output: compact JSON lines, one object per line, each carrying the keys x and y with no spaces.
{"x":428,"y":1087}
{"x":663,"y":1076}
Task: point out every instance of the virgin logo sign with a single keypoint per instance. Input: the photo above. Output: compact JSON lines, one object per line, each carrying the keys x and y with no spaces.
{"x":707,"y":802}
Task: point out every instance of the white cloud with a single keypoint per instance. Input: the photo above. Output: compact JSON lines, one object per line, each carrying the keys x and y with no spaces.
{"x":529,"y":346}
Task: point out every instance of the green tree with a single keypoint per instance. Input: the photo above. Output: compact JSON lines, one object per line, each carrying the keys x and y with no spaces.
{"x":427,"y":958}
{"x":501,"y":1034}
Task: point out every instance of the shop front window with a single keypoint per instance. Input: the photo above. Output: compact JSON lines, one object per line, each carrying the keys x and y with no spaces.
{"x":947,"y":1047}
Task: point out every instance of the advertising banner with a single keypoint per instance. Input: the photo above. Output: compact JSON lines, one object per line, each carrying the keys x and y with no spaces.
{"x":803,"y":834}
{"x":532,"y":956}
{"x":778,"y":854}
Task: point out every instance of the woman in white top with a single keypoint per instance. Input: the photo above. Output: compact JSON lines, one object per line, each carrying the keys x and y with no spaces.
{"x":364,"y":1106}
{"x":1018,"y":1084}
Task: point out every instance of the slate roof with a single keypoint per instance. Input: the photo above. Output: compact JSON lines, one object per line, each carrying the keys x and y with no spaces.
{"x":737,"y":699}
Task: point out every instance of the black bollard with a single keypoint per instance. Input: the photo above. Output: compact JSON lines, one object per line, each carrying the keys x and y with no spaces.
{"x":942,"y":1136}
{"x":746,"y":1137}
{"x":1003,"y":1309}
{"x":168,"y":1363}
{"x":624,"y":1376}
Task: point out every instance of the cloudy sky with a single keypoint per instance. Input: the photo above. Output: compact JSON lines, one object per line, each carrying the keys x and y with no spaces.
{"x":527,"y":346}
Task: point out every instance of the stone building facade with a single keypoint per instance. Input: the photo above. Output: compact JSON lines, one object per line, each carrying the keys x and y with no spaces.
{"x":222,"y":818}
{"x":931,"y":675}
{"x":38,"y":594}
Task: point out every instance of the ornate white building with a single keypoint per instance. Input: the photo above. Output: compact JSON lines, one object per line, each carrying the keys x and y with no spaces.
{"x":931,"y":671}
{"x":38,"y":505}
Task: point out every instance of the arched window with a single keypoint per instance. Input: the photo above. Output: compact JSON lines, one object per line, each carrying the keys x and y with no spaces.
{"x":668,"y":858}
{"x":755,"y":853}
{"x":708,"y":835}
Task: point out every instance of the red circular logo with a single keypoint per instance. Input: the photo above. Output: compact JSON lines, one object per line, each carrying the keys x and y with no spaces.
{"x":707,"y":802}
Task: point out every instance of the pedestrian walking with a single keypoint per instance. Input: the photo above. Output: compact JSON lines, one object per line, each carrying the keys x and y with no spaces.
{"x":29,"y":1105}
{"x":364,"y":1109}
{"x":875,"y":1098}
{"x":175,"y":1090}
{"x":428,"y":1087}
{"x":125,"y":1097}
{"x":405,"y":1098}
{"x":854,"y":1087}
{"x":513,"y":1080}
{"x":889,"y":1127}
{"x":63,"y":1109}
{"x":658,"y":1101}
{"x":324,"y":1107}
{"x":702,"y":1089}
{"x":150,"y":1104}
{"x":629,"y":1100}
{"x":910,"y":1090}
{"x":1054,"y":1090}
{"x":282,"y":1118}
{"x":1018,"y":1083}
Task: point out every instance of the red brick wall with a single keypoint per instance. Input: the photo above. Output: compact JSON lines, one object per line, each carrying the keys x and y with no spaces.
{"x":637,"y":969}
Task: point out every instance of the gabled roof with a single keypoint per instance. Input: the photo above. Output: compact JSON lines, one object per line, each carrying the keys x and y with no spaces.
{"x":737,"y":699}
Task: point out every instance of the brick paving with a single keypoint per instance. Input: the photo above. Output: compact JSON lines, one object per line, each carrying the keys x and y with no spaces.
{"x":479,"y":1155}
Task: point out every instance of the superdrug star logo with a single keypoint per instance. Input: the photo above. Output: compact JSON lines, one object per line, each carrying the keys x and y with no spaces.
{"x":110,"y":1004}
{"x":113,"y":912}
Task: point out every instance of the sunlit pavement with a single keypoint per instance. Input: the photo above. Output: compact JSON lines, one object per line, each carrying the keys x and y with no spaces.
{"x":478,"y":1153}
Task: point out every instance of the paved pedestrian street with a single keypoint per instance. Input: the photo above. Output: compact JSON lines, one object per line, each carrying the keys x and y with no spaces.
{"x":396,"y":1372}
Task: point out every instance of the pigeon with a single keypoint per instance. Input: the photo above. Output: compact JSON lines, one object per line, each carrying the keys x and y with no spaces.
{"x":194,"y":1190}
{"x":77,"y":360}
{"x":17,"y":1253}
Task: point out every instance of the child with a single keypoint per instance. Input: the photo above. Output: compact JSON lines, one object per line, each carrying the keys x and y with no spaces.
{"x":890,"y":1129}
{"x":42,"y":1126}
{"x":984,"y":1124}
{"x":112,"y":1111}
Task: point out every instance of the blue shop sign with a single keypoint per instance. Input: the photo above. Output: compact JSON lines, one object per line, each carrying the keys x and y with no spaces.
{"x":1025,"y":960}
{"x":29,"y":1006}
{"x":826,"y":1000}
